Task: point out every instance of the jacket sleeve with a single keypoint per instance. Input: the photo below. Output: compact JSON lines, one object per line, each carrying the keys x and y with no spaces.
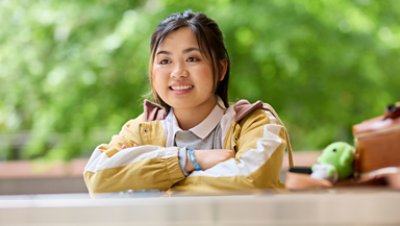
{"x":126,"y":163}
{"x":259,"y":142}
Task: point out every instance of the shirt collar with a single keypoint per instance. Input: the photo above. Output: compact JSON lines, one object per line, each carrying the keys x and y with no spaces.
{"x":204,"y":128}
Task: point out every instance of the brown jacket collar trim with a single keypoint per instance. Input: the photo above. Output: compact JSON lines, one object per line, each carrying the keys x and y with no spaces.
{"x":242,"y":108}
{"x":153,"y":111}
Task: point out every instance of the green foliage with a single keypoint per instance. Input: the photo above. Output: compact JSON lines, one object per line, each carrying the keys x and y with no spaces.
{"x":72,"y":72}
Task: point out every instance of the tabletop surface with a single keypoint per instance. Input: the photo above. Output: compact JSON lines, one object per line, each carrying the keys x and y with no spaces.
{"x":321,"y":207}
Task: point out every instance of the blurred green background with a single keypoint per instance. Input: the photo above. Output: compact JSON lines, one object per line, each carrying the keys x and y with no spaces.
{"x":72,"y":72}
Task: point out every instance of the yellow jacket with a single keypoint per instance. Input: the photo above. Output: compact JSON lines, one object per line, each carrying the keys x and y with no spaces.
{"x":137,"y":159}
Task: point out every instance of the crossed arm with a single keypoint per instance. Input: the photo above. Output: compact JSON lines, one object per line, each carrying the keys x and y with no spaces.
{"x":123,"y":165}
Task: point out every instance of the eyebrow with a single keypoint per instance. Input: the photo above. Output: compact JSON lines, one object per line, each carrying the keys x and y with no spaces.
{"x":184,"y":51}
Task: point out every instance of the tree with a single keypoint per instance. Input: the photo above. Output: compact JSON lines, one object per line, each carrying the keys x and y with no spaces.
{"x":71,"y":73}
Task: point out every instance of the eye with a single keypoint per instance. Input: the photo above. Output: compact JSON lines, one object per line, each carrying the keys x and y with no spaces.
{"x":334,"y":150}
{"x":164,"y":61}
{"x":193,"y":59}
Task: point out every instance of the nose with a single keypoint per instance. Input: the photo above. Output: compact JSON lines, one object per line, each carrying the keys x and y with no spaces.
{"x":179,"y":71}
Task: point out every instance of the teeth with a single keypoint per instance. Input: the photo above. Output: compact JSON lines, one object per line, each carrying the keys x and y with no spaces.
{"x":181,"y":87}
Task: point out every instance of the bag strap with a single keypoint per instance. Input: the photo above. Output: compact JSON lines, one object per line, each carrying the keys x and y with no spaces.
{"x":244,"y":107}
{"x":392,"y":111}
{"x":287,"y":138}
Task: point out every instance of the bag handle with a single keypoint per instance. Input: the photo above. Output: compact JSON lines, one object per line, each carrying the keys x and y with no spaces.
{"x":243,"y":111}
{"x":392,"y":111}
{"x":287,"y":138}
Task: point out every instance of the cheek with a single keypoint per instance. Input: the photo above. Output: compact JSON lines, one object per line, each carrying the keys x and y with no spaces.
{"x":156,"y":72}
{"x":159,"y":72}
{"x":159,"y":82}
{"x":156,"y":82}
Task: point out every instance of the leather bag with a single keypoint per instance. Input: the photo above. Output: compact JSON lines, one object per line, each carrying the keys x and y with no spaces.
{"x":377,"y":157}
{"x":377,"y":141}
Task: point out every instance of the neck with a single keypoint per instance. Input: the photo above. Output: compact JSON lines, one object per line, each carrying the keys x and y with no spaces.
{"x":190,"y":117}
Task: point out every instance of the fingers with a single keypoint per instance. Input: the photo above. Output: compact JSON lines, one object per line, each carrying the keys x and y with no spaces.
{"x":123,"y":146}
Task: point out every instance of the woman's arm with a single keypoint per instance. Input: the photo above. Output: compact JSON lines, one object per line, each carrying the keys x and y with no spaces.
{"x":208,"y":158}
{"x":136,"y":168}
{"x":259,"y":151}
{"x":127,"y":163}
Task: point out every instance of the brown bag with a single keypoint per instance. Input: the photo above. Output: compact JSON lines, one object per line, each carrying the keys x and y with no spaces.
{"x":299,"y":178}
{"x":377,"y":141}
{"x":377,"y":157}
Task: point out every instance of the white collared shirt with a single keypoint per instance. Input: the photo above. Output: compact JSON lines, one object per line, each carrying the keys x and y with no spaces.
{"x":206,"y":135}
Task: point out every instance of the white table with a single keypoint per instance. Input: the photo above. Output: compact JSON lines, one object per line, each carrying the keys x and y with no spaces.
{"x":328,"y":207}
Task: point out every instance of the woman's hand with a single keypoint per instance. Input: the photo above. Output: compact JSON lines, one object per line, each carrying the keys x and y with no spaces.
{"x":208,"y":158}
{"x":123,"y":146}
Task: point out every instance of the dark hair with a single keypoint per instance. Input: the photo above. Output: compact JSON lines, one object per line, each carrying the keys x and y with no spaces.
{"x":210,"y":40}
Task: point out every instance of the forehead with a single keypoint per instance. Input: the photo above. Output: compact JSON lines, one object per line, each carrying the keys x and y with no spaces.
{"x":182,"y":37}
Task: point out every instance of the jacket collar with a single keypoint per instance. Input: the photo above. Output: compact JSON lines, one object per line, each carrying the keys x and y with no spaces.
{"x":242,"y":108}
{"x":153,"y":111}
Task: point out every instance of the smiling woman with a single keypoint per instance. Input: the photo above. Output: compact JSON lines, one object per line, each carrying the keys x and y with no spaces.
{"x":182,"y":76}
{"x":190,"y":139}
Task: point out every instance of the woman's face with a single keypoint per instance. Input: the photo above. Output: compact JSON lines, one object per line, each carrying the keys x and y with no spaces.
{"x":181,"y":76}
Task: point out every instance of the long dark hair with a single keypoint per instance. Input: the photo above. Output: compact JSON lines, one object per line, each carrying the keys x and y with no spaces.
{"x":210,"y":40}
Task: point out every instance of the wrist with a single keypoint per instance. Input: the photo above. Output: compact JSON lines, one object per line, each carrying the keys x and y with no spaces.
{"x":188,"y":164}
{"x":182,"y":156}
{"x":192,"y":159}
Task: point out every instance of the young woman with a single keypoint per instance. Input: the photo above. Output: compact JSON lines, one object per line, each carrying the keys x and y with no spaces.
{"x":190,"y":139}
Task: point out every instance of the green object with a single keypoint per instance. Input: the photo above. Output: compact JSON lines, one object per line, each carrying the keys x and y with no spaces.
{"x":336,"y":162}
{"x":99,"y":50}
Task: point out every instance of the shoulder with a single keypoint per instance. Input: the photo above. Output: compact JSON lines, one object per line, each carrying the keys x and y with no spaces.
{"x":153,"y":111}
{"x":243,"y":109}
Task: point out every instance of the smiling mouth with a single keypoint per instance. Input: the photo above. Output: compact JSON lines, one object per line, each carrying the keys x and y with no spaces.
{"x":180,"y":88}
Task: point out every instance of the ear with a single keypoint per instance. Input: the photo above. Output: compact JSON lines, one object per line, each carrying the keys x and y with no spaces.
{"x":224,"y":66}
